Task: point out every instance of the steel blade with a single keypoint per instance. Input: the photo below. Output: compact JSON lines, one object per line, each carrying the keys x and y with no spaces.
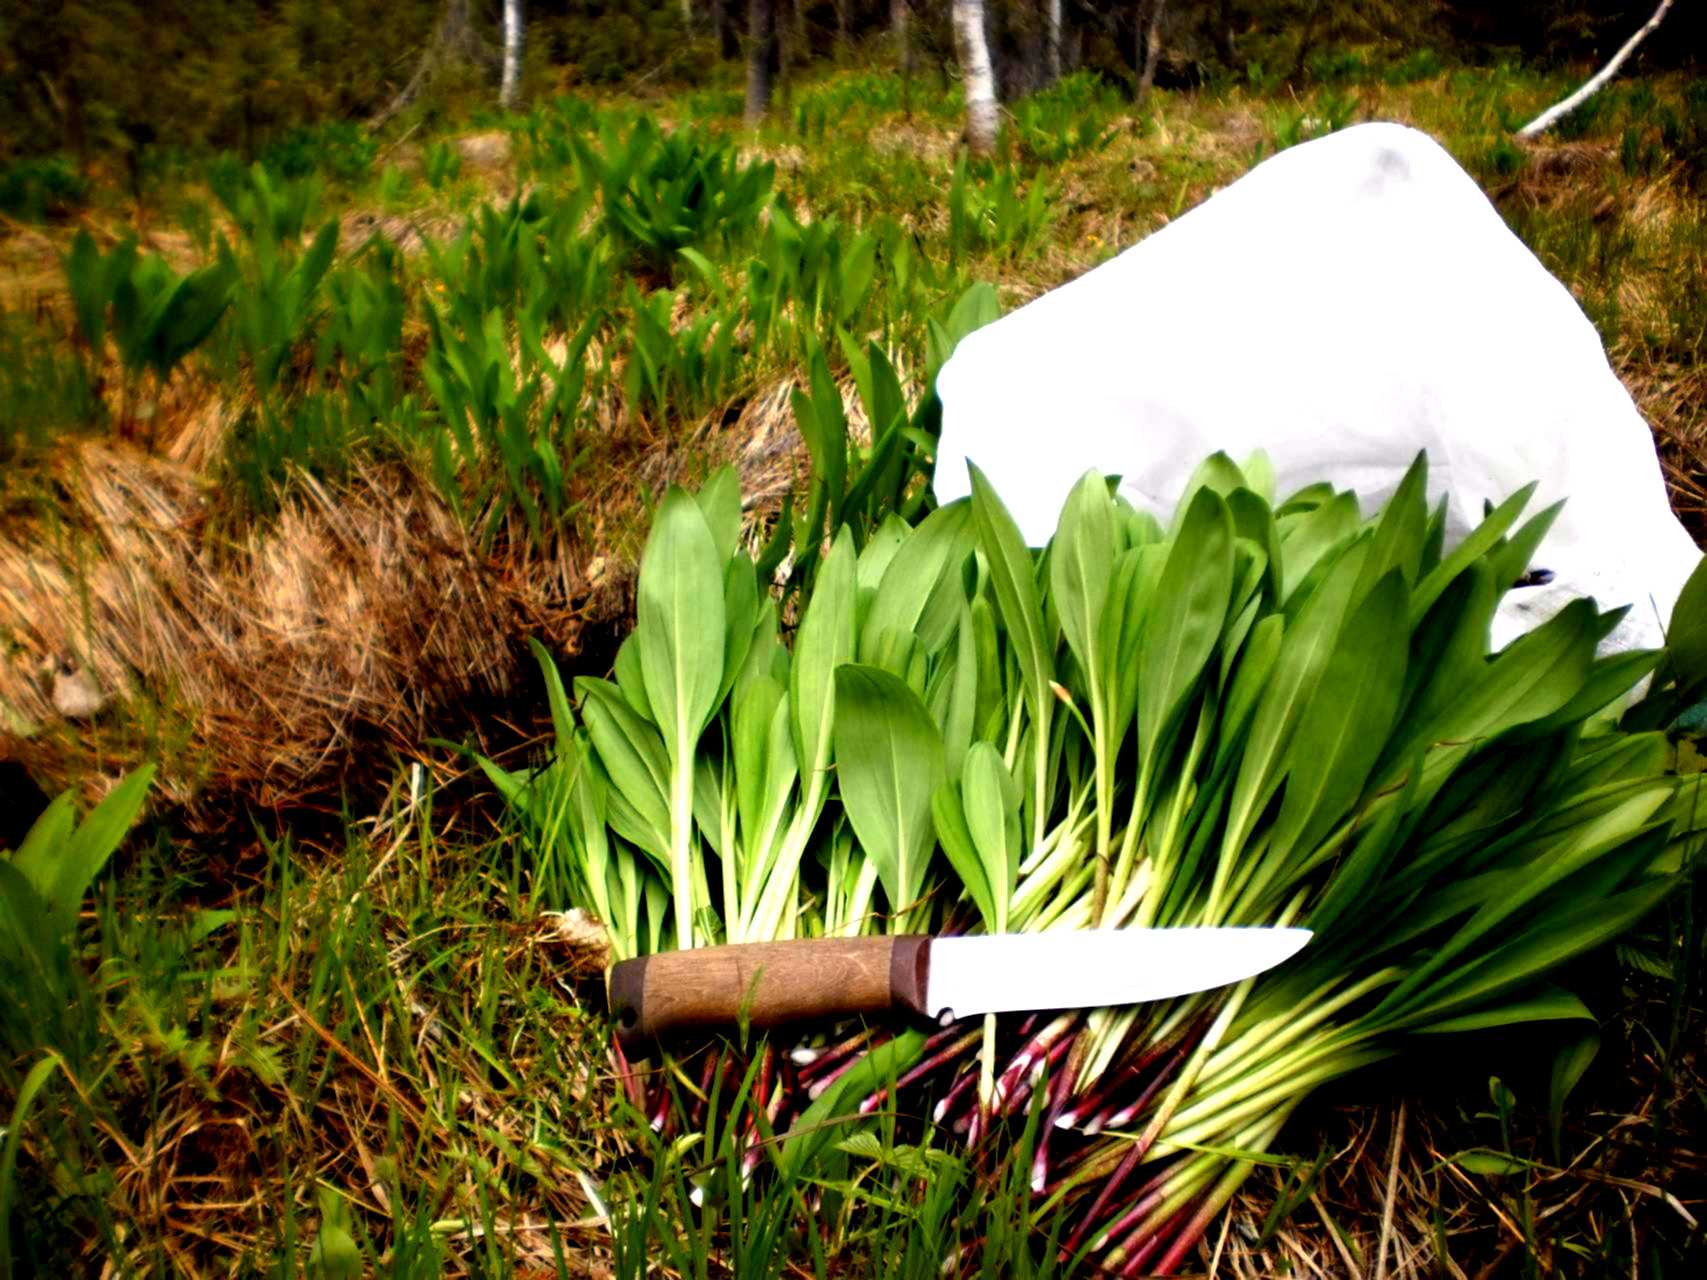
{"x":1013,"y":972}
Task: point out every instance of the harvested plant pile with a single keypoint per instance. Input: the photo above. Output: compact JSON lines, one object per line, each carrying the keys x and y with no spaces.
{"x":1270,"y":713}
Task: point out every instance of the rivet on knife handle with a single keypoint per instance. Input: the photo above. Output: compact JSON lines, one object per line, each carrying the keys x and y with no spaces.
{"x":705,"y":990}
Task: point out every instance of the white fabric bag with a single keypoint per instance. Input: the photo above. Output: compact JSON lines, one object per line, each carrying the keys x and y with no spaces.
{"x":1347,"y":303}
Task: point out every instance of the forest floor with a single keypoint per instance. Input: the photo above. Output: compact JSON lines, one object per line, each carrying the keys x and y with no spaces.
{"x":328,"y":1020}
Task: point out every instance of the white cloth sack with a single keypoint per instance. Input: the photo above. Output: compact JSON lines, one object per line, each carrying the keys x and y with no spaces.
{"x":1346,"y":303}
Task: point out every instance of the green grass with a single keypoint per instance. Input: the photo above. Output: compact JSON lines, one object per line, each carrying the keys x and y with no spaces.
{"x":367,"y":1034}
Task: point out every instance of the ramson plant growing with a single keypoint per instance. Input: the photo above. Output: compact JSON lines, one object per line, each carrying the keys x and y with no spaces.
{"x":1267,"y":713}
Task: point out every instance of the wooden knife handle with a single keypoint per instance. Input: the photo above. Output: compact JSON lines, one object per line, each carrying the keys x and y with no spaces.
{"x":706,"y":989}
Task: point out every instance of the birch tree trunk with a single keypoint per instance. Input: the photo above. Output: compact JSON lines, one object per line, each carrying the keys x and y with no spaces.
{"x":1152,"y":50}
{"x":1559,"y":109}
{"x":976,"y":76}
{"x":512,"y":54}
{"x":762,"y":54}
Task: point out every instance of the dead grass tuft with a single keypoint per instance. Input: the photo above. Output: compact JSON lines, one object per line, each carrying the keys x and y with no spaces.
{"x":356,"y":620}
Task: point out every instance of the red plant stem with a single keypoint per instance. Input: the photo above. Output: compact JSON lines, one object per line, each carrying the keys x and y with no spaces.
{"x":834,"y":1074}
{"x":955,"y":1095}
{"x":1189,"y":1235}
{"x":1015,"y":1102}
{"x":1117,"y":1078}
{"x":1151,"y":1195}
{"x":1060,"y":1088}
{"x":1147,"y":1246}
{"x":1105,"y":1197}
{"x":1117,"y":1117}
{"x":828,"y":1056}
{"x":921,"y":1070}
{"x":632,"y":1085}
{"x":1038,"y":1046}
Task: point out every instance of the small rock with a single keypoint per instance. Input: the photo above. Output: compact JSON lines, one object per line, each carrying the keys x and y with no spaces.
{"x":75,"y":694}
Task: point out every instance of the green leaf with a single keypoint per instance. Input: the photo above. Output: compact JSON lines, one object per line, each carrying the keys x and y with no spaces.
{"x":719,"y":499}
{"x":679,"y":622}
{"x":1686,"y":637}
{"x":920,"y":589}
{"x":889,"y":762}
{"x":1013,"y":578}
{"x":948,"y":815}
{"x":34,"y":1081}
{"x":637,"y":762}
{"x":1185,"y":618}
{"x":80,"y":857}
{"x":1333,"y":750}
{"x":1081,"y":559}
{"x":1481,"y":540}
{"x":992,"y":807}
{"x":1569,"y":1066}
{"x":824,"y":642}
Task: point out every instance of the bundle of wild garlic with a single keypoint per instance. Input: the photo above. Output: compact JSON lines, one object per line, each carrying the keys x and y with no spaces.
{"x":1266,"y":714}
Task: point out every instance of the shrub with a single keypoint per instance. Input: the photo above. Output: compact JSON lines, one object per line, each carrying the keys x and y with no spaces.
{"x":42,"y":187}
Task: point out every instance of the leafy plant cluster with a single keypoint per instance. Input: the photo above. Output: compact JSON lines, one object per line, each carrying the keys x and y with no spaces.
{"x":646,"y":275}
{"x":1270,"y":711}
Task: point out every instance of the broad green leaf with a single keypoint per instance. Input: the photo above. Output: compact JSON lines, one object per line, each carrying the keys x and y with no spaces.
{"x":81,"y":856}
{"x":679,"y":622}
{"x":948,"y":814}
{"x":824,"y":642}
{"x":1013,"y":579}
{"x":920,"y":589}
{"x":719,"y":499}
{"x":562,"y":719}
{"x":1081,"y":560}
{"x":36,"y":857}
{"x":1686,"y":637}
{"x":1480,"y":541}
{"x":1305,"y":651}
{"x":1352,"y":708}
{"x":889,"y":762}
{"x":992,"y":805}
{"x":1569,"y":1065}
{"x":1185,"y":617}
{"x":637,"y":762}
{"x":1399,"y":534}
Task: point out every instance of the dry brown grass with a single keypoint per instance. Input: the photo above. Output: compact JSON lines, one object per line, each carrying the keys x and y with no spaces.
{"x":264,"y":668}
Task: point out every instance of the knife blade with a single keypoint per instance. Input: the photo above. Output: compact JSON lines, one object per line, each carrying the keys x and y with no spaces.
{"x":939,"y":979}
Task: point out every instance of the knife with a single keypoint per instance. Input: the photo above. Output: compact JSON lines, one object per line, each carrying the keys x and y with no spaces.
{"x":939,"y":979}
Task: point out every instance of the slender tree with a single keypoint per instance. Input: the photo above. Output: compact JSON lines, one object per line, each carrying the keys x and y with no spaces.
{"x":512,"y":54}
{"x":1051,"y":41}
{"x":763,"y":54}
{"x":1546,"y":119}
{"x":976,"y":76}
{"x":1152,"y":34}
{"x":900,"y":26}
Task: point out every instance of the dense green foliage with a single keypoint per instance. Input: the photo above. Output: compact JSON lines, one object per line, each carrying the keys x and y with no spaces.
{"x":1273,"y":712}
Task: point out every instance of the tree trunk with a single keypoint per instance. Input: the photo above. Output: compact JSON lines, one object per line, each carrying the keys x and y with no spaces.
{"x":761,"y":57}
{"x":1152,"y":50}
{"x":976,"y":76}
{"x":454,"y":41}
{"x":727,"y":30}
{"x":1051,"y":41}
{"x":901,"y":27}
{"x":1224,"y":31}
{"x":1567,"y":105}
{"x":1306,"y":40}
{"x":512,"y":54}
